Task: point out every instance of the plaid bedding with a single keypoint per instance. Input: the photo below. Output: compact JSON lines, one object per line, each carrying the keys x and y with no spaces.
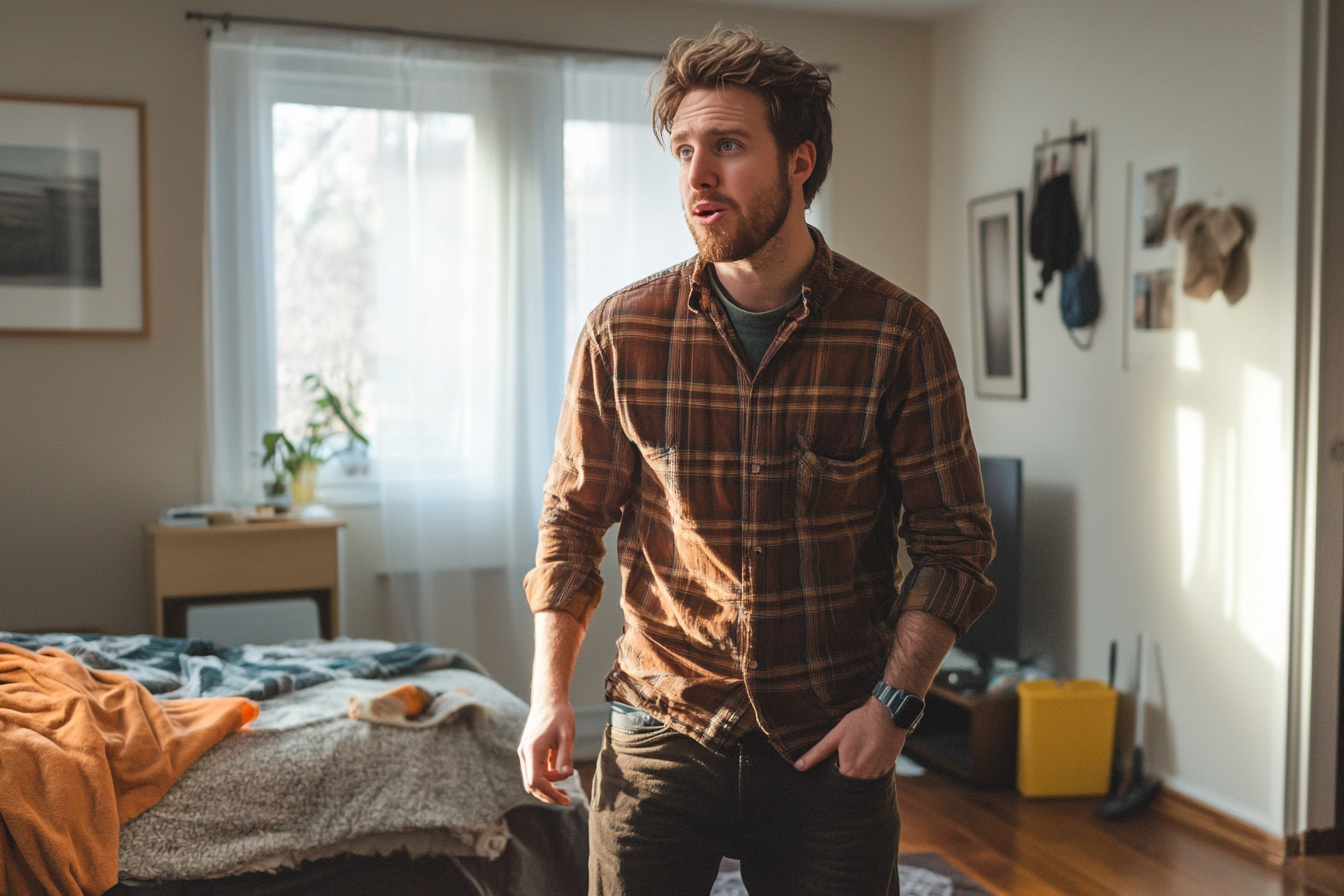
{"x":172,"y":668}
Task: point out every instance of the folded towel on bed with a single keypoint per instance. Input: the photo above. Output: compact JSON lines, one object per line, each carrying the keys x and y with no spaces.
{"x":81,"y":753}
{"x":411,"y":706}
{"x":183,"y":667}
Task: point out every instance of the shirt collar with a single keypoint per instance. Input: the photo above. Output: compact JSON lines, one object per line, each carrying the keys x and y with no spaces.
{"x":817,"y":285}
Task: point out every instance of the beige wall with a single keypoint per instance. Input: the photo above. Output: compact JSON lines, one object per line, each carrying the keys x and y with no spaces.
{"x":1157,"y":498}
{"x":99,"y":435}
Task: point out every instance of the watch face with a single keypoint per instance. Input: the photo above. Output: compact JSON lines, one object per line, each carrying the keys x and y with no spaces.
{"x":908,"y":712}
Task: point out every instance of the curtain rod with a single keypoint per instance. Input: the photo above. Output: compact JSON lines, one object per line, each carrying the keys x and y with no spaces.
{"x":225,"y":19}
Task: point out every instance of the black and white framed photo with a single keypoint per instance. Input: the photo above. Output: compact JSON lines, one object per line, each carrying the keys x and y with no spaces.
{"x":72,"y":218}
{"x":996,"y":295}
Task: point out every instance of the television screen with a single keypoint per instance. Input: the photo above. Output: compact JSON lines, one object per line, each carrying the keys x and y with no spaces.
{"x":995,"y":634}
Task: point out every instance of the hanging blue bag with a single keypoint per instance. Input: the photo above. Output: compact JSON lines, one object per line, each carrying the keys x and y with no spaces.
{"x":1080,"y":296}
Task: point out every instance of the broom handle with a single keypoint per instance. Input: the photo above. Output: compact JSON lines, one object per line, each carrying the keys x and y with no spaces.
{"x":1143,"y":691}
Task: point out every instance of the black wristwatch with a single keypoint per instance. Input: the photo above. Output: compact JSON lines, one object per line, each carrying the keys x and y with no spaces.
{"x":906,"y":709}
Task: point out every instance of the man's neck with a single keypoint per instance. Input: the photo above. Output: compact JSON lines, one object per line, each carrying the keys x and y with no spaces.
{"x":772,"y":277}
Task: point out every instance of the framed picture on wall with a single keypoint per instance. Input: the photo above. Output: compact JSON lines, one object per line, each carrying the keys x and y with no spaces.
{"x":996,"y":295}
{"x":72,"y":218}
{"x":1152,"y":310}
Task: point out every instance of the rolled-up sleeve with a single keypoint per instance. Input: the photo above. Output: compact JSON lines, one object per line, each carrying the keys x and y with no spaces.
{"x":934,"y":475}
{"x":587,"y":486}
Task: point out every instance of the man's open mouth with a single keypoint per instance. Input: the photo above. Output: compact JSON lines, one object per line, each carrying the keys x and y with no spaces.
{"x":708,"y":212}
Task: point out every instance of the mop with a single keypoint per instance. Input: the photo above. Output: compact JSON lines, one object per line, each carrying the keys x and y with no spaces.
{"x":1139,"y":789}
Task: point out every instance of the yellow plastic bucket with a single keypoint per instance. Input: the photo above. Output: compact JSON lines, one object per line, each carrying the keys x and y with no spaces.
{"x":1065,"y":738}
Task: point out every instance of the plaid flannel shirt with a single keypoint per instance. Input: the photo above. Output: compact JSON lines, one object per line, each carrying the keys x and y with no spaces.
{"x":758,"y":511}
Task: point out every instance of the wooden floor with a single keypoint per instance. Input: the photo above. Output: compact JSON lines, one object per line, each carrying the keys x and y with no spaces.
{"x":1024,"y":847}
{"x":1019,"y":847}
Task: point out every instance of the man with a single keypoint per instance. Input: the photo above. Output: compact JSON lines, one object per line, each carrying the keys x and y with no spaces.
{"x":756,"y":419}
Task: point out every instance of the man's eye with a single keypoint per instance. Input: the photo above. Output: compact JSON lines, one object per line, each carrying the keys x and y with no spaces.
{"x":683,"y":152}
{"x":727,"y":145}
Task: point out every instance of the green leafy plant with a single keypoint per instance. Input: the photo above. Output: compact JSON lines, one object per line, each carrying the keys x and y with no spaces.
{"x":331,"y":416}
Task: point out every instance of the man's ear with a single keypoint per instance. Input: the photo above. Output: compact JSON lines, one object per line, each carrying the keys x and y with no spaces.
{"x":802,"y":161}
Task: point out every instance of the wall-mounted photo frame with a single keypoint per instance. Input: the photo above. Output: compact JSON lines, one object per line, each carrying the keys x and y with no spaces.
{"x":996,"y":295}
{"x":73,"y":247}
{"x":1152,"y":309}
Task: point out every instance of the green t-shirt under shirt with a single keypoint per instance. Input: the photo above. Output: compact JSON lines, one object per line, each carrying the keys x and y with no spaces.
{"x":755,"y":329}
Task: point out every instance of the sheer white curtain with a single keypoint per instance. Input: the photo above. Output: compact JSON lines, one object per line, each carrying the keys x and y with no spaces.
{"x":467,"y":392}
{"x":622,"y":207}
{"x":504,"y":194}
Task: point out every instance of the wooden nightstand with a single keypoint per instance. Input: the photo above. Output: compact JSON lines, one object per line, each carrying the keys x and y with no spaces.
{"x":191,"y":566}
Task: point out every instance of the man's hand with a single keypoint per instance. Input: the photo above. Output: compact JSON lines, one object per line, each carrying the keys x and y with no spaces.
{"x":865,"y":741}
{"x":547,"y":751}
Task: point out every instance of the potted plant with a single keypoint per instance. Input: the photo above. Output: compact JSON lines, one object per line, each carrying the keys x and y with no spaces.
{"x":293,"y":464}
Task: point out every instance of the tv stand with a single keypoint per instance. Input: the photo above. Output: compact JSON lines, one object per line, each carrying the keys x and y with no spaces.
{"x":971,"y":736}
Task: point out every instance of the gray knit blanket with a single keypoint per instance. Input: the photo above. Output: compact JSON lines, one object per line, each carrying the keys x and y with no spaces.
{"x":305,"y":781}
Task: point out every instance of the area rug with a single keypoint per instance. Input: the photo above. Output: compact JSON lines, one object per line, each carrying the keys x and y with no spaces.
{"x":922,"y":874}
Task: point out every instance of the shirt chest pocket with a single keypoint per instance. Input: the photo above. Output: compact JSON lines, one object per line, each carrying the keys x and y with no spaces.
{"x":838,"y":492}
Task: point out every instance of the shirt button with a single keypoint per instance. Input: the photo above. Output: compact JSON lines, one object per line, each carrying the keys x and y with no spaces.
{"x":758,"y":550}
{"x":755,"y":468}
{"x":753,"y":664}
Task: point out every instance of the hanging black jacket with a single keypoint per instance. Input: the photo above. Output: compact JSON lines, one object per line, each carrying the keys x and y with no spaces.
{"x":1056,"y":236}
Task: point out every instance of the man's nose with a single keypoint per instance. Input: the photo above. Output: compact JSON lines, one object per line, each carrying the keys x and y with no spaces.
{"x":702,"y":172}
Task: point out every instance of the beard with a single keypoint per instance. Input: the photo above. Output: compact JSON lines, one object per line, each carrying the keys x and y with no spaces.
{"x":755,"y":225}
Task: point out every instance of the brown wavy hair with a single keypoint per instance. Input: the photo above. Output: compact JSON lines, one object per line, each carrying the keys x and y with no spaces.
{"x":797,"y":94}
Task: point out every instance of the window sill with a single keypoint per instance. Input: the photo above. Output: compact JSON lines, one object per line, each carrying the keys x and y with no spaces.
{"x":365,"y":493}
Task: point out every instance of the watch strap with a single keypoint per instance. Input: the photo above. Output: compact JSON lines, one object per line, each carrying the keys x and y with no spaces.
{"x":906,"y":709}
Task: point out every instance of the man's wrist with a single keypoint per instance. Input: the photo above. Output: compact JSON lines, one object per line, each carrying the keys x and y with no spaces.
{"x":906,"y":708}
{"x":544,"y":694}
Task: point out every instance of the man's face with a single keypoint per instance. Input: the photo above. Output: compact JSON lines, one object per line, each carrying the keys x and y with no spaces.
{"x":735,"y":186}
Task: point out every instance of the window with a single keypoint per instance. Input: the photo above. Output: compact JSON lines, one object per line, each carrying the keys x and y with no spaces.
{"x":358,"y":219}
{"x":427,"y":226}
{"x":616,"y":176}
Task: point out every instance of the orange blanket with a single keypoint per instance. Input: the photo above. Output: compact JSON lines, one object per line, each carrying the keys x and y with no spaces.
{"x":81,"y":752}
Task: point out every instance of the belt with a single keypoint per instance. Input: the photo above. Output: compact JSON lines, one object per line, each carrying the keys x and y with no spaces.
{"x":629,"y":718}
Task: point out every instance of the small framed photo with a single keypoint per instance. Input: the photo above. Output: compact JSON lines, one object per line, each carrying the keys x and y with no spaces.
{"x":996,"y":295}
{"x":73,"y":253}
{"x":1159,"y":198}
{"x":1152,"y":310}
{"x":1153,"y":300}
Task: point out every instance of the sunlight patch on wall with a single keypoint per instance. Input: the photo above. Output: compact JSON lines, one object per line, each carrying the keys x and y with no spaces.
{"x":1190,"y":486}
{"x":1187,"y":351}
{"x":1233,"y":494}
{"x":1263,"y":549}
{"x":1228,"y":523}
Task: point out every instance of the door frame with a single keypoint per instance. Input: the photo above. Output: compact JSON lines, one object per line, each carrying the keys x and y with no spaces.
{"x":1314,"y":804}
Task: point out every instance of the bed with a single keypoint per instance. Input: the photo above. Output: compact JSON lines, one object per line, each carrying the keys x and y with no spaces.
{"x":306,"y":799}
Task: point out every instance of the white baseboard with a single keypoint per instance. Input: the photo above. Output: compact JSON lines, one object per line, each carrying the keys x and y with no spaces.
{"x":589,"y":723}
{"x":1256,"y":819}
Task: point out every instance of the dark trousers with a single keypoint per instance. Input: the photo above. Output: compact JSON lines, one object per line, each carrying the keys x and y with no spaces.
{"x":666,"y":810}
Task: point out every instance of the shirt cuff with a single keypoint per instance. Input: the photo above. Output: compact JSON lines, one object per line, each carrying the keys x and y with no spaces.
{"x":957,"y":598}
{"x":550,"y":590}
